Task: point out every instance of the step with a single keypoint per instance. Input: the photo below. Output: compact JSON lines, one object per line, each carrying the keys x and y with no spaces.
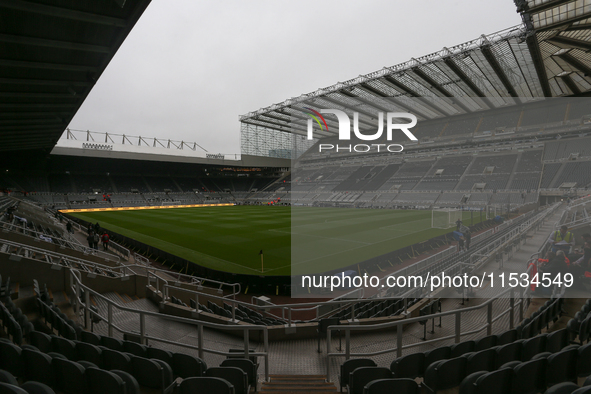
{"x":285,"y":384}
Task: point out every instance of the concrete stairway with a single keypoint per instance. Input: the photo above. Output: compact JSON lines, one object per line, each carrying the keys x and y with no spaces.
{"x":297,"y":384}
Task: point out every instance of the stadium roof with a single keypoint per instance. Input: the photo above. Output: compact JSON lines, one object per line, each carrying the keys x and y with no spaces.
{"x":546,"y":56}
{"x":52,"y":52}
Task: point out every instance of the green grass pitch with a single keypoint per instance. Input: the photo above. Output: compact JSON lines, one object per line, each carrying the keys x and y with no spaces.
{"x":313,"y":239}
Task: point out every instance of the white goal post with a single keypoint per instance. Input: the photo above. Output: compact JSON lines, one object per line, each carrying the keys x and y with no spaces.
{"x":445,"y":218}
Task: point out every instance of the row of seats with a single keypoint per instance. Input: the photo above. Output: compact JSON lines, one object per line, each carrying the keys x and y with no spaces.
{"x":528,"y":369}
{"x":57,"y":320}
{"x":580,"y":325}
{"x":14,"y":321}
{"x":241,"y":373}
{"x":551,"y":310}
{"x":9,"y":385}
{"x":485,"y":353}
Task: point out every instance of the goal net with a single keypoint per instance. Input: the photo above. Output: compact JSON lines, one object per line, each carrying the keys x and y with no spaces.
{"x":445,"y":218}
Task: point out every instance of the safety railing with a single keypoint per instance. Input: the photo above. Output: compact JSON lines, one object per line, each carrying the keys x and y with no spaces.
{"x":516,"y":304}
{"x":83,"y":306}
{"x":59,"y":259}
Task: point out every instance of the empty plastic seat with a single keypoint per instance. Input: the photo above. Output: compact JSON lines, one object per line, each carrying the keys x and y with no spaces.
{"x":562,"y":367}
{"x":64,"y":346}
{"x":160,"y":354}
{"x":462,"y":348}
{"x":131,"y":384}
{"x":237,"y":377}
{"x":112,"y":343}
{"x":507,"y":337}
{"x":509,"y":352}
{"x":584,"y":361}
{"x":381,"y":386}
{"x":41,"y":341}
{"x":91,"y":353}
{"x":6,"y":388}
{"x":557,"y":340}
{"x":582,"y":390}
{"x":530,"y":377}
{"x":247,"y":366}
{"x":10,"y":358}
{"x":90,"y":337}
{"x":70,"y":376}
{"x":205,"y":385}
{"x":101,"y":381}
{"x":532,"y":346}
{"x":113,"y":359}
{"x":350,"y":365}
{"x":37,"y":366}
{"x":445,"y":374}
{"x":187,"y":366}
{"x":410,"y":366}
{"x":484,"y":360}
{"x":440,"y":353}
{"x":37,"y":388}
{"x":7,"y":377}
{"x":562,"y":388}
{"x":495,"y":382}
{"x":154,"y":374}
{"x":485,"y":343}
{"x":135,"y":348}
{"x":361,"y":376}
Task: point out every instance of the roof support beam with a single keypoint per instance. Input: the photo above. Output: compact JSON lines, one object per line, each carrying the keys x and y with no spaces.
{"x":439,"y":88}
{"x":458,"y":71}
{"x":536,"y":55}
{"x":568,"y":81}
{"x":64,"y":13}
{"x":576,"y":63}
{"x":571,"y":42}
{"x":372,"y":90}
{"x":42,"y":42}
{"x":490,"y":57}
{"x":361,"y":121}
{"x":412,"y":93}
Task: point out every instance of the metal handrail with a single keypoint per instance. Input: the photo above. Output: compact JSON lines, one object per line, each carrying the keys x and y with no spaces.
{"x":90,"y":266}
{"x":77,"y":286}
{"x":399,"y":325}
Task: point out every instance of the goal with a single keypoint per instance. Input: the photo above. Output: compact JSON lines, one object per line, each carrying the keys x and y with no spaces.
{"x":445,"y":218}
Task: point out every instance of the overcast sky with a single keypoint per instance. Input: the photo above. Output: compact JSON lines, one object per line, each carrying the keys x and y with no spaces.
{"x":189,"y":68}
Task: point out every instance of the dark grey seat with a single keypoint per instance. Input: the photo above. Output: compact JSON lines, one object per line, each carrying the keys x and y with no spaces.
{"x":205,"y":384}
{"x":237,"y":377}
{"x":387,"y":386}
{"x":41,"y":341}
{"x":101,"y":381}
{"x":154,"y":374}
{"x":247,"y":366}
{"x":10,"y":358}
{"x":361,"y":376}
{"x":530,"y":377}
{"x":112,"y":359}
{"x":562,"y":388}
{"x":562,"y":367}
{"x":445,"y":374}
{"x":70,"y":376}
{"x":64,"y":346}
{"x":91,"y":353}
{"x":37,"y":388}
{"x":112,"y":343}
{"x":38,"y":367}
{"x":131,"y":384}
{"x":160,"y":354}
{"x":410,"y":366}
{"x":135,"y":348}
{"x":90,"y":337}
{"x":6,"y":388}
{"x":350,"y":365}
{"x":7,"y":377}
{"x":187,"y":366}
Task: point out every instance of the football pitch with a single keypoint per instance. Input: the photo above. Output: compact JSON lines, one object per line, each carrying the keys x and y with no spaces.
{"x":311,"y":239}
